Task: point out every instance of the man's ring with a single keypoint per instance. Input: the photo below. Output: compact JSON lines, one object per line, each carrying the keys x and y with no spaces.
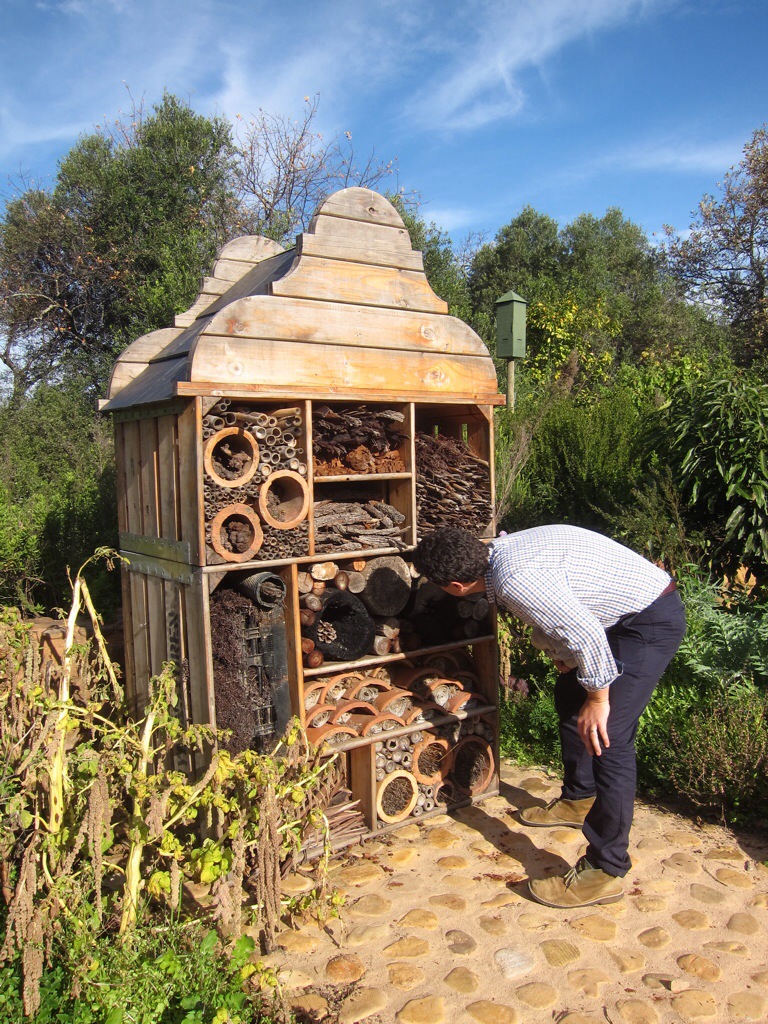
{"x":593,"y":729}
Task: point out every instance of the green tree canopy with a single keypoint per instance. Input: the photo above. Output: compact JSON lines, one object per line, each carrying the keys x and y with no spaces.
{"x":723,"y":261}
{"x":116,"y":247}
{"x":597,"y":287}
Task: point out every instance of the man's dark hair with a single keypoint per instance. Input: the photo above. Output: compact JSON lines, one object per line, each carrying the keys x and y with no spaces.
{"x":450,"y":555}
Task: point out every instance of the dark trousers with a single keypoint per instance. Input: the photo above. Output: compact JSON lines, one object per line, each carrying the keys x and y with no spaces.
{"x":645,"y":643}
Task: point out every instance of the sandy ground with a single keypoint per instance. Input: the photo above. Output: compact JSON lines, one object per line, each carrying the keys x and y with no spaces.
{"x":438,"y":926}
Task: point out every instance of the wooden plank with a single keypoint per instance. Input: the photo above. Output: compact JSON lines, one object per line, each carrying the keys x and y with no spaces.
{"x":132,"y":452}
{"x":293,"y":641}
{"x":411,"y":464}
{"x":233,"y":360}
{"x":148,"y":468}
{"x":129,"y":679}
{"x":400,"y":494}
{"x":362,"y":781}
{"x":156,"y":383}
{"x":168,"y":478}
{"x":120,"y":479}
{"x":139,"y":639}
{"x":360,"y":204}
{"x":488,"y":413}
{"x":485,"y":655}
{"x":323,"y":323}
{"x":340,"y":281}
{"x":250,"y":249}
{"x":190,"y":469}
{"x":359,"y":233}
{"x":135,"y":358}
{"x":150,"y":510}
{"x":364,"y":251}
{"x":292,"y":393}
{"x":198,"y":636}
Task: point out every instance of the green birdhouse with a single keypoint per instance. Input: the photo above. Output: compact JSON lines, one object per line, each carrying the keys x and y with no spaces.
{"x":510,"y":326}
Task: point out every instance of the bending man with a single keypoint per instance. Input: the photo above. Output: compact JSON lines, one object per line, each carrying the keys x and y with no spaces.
{"x":612,"y":621}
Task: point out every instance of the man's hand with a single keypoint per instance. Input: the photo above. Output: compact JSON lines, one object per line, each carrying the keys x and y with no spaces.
{"x":593,"y":721}
{"x":562,"y":667}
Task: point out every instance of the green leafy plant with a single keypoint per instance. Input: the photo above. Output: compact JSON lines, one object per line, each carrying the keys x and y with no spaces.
{"x":715,"y":436}
{"x":98,"y":828}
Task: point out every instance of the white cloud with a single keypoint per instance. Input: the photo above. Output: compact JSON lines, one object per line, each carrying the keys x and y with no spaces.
{"x":494,"y":43}
{"x":679,"y":155}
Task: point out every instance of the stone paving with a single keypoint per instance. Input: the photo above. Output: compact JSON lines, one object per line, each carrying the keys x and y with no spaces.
{"x":438,"y":926}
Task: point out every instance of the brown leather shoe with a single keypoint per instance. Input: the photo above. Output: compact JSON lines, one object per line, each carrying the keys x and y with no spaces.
{"x":582,"y":886}
{"x":568,"y":813}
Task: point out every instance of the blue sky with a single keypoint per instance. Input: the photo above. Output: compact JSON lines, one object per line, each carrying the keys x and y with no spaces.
{"x":488,"y":105}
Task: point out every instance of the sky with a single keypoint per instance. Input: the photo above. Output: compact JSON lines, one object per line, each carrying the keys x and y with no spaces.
{"x":487,"y":106}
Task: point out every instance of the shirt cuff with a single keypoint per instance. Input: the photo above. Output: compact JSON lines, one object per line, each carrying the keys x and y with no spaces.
{"x":590,"y":685}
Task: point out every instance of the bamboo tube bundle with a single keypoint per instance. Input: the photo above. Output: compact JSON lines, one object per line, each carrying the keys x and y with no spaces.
{"x":473,"y":765}
{"x":428,"y":685}
{"x":395,"y":701}
{"x":425,"y":801}
{"x":453,"y":486}
{"x":372,"y":725}
{"x":335,"y":686}
{"x":464,"y":700}
{"x":396,"y":797}
{"x":280,"y":544}
{"x":466,"y":679}
{"x":423,"y":713}
{"x":444,"y":664}
{"x":482,"y":727}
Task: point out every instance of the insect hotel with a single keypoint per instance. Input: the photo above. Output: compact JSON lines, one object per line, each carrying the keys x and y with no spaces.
{"x":280,"y":450}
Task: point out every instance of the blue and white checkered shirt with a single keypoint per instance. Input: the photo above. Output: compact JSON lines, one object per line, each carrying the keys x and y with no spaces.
{"x":573,"y":584}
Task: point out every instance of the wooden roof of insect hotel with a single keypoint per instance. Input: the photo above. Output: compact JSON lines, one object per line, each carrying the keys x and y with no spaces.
{"x":346,"y":313}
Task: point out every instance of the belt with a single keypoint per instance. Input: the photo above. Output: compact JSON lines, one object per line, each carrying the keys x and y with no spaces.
{"x":668,"y":589}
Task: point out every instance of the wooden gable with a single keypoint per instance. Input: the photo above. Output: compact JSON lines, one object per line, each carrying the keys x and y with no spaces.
{"x":348,"y":312}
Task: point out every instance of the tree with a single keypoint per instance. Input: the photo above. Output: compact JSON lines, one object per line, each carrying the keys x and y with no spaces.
{"x":137,"y":214}
{"x":596,"y":287}
{"x":723,"y":262}
{"x":116,"y":247}
{"x":285,"y":168}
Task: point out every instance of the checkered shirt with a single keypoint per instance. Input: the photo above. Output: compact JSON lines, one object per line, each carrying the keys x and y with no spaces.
{"x":572,"y":585}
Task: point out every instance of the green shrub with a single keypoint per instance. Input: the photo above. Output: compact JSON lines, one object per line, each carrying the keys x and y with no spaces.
{"x":704,"y":736}
{"x":580,"y":465}
{"x":166,"y":973}
{"x":528,"y":727}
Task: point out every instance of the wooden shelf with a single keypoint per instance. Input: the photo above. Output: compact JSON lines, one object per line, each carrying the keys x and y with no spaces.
{"x":447,"y":719}
{"x":335,"y":667}
{"x":360,"y":477}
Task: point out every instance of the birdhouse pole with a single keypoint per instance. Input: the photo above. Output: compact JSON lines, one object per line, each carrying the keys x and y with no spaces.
{"x":510,"y":336}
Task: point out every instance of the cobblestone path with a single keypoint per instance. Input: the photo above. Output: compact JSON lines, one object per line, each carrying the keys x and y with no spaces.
{"x":438,"y":926}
